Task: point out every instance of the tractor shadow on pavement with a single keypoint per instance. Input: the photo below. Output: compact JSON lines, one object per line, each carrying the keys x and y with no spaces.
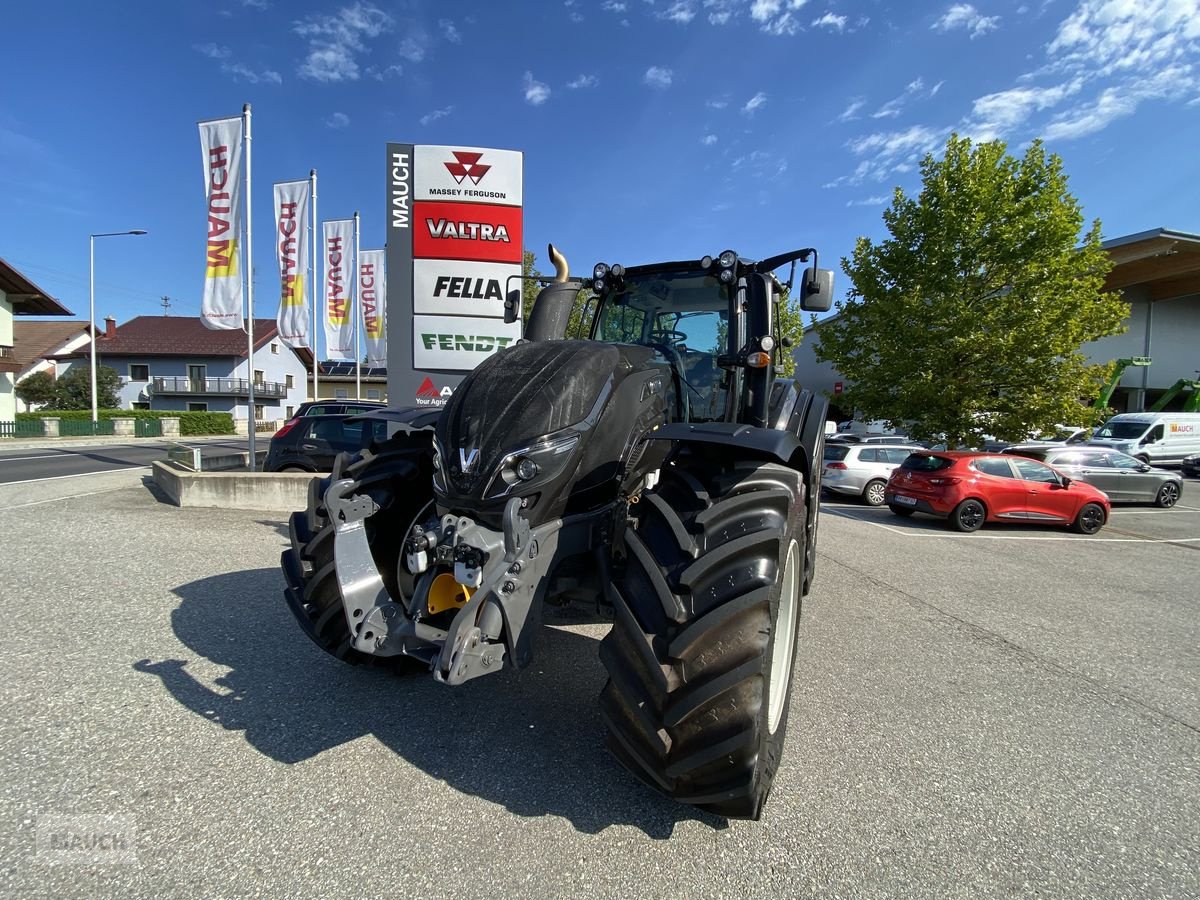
{"x":532,"y":741}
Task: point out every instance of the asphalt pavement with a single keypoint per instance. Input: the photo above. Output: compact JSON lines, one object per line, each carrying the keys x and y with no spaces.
{"x":34,"y":463}
{"x":1014,"y":712}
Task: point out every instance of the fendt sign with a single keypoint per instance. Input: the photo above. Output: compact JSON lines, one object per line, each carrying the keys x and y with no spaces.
{"x":453,"y":249}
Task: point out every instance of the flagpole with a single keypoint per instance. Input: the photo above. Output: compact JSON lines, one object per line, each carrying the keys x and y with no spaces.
{"x":356,"y":305}
{"x":250,"y":420}
{"x":312,"y":233}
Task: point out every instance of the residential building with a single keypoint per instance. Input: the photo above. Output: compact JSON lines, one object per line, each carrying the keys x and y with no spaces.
{"x":1157,"y":272}
{"x":18,"y":297}
{"x":176,"y":363}
{"x":337,"y":381}
{"x":38,"y":345}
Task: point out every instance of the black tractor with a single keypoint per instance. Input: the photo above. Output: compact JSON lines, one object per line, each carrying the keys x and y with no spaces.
{"x":657,"y":471}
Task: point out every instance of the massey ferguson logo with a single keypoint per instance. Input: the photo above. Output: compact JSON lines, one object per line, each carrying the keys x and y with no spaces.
{"x":429,"y":394}
{"x":467,"y":166}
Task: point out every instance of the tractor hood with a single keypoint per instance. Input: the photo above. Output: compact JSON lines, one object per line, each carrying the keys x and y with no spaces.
{"x":538,"y":401}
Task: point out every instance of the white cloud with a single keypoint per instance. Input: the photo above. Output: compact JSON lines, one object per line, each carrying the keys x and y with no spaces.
{"x":450,"y":31}
{"x":776,"y":16}
{"x":717,"y":102}
{"x":913,"y":89}
{"x":658,"y":77}
{"x":1115,"y":35}
{"x":536,"y":92}
{"x":708,"y":140}
{"x":1172,"y":83}
{"x":968,"y":18}
{"x":889,"y":151}
{"x":583,"y":81}
{"x":436,"y":114}
{"x":850,"y":113}
{"x":255,"y":4}
{"x":212,"y":51}
{"x":754,"y":103}
{"x":335,"y":40}
{"x":681,"y":11}
{"x":879,"y":200}
{"x":384,"y":74}
{"x":338,"y":120}
{"x":830,"y":21}
{"x":413,"y":47}
{"x":576,"y":17}
{"x":760,"y":164}
{"x":996,"y":115}
{"x":613,"y":6}
{"x":242,"y":72}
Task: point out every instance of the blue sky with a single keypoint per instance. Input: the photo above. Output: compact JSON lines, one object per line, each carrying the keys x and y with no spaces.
{"x":651,"y":130}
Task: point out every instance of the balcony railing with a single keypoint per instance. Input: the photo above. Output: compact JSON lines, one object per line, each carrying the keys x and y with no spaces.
{"x":236,"y":387}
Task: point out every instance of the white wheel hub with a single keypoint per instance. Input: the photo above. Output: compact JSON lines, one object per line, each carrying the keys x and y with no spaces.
{"x":780,"y":677}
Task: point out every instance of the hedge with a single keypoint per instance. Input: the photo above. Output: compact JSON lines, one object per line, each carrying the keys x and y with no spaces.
{"x":190,"y":423}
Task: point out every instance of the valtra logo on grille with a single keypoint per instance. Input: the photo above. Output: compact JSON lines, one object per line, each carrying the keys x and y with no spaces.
{"x":467,"y":166}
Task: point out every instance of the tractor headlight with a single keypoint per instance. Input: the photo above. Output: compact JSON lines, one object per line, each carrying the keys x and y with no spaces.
{"x":541,"y":462}
{"x":726,"y":276}
{"x":599,"y":271}
{"x":727,"y":259}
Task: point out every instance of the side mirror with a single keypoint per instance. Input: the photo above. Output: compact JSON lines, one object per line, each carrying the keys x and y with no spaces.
{"x":1144,"y":468}
{"x":512,"y":307}
{"x":1065,"y":481}
{"x":816,"y":290}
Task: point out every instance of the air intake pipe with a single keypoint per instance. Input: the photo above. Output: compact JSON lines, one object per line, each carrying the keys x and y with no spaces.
{"x":552,"y":309}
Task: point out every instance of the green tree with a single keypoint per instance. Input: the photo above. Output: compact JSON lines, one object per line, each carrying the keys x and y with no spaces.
{"x":74,"y":389}
{"x":37,"y":389}
{"x":968,"y":320}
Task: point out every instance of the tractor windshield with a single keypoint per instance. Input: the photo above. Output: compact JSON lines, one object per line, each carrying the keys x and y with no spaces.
{"x":684,"y":317}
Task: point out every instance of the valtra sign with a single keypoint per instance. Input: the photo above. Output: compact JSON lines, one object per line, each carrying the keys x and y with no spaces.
{"x":454,"y":248}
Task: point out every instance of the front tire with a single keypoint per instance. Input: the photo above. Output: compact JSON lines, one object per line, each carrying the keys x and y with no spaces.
{"x":399,"y":480}
{"x":968,"y":516}
{"x":703,"y":643}
{"x":1089,"y":520}
{"x":1168,"y":495}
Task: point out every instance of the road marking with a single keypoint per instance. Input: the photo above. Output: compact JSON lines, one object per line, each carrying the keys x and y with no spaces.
{"x":57,"y":499}
{"x":76,"y":475}
{"x":23,"y":458}
{"x":1012,"y":537}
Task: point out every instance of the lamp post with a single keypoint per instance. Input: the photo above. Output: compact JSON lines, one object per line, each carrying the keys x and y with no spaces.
{"x":92,"y":303}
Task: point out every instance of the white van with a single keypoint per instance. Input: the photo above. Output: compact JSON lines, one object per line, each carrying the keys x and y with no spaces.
{"x":1161,"y":437}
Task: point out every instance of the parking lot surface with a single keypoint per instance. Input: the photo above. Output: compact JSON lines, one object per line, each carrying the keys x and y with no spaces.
{"x":1012,"y":712}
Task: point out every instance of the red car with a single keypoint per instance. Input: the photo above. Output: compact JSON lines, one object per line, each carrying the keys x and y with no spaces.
{"x":972,"y":488}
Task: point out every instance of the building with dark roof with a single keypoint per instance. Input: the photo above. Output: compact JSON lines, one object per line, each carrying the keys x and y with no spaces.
{"x":18,"y":297}
{"x":175,"y":363}
{"x":38,"y":345}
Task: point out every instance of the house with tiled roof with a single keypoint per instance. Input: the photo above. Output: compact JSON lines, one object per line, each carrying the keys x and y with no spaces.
{"x":18,"y":297}
{"x":38,"y":345}
{"x":175,"y":363}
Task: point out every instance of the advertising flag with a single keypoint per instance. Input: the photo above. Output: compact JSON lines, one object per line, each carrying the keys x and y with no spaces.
{"x":372,"y":289}
{"x":339,"y":320}
{"x":291,"y":249}
{"x":221,"y":151}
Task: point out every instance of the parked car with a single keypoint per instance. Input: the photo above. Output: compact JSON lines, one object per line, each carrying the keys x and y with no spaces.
{"x":972,"y":488}
{"x":310,"y":443}
{"x":1191,"y":465}
{"x":337,"y":407}
{"x":862,"y":469}
{"x":1123,"y":478}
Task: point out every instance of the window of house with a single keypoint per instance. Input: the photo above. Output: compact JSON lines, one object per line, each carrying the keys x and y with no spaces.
{"x":341,"y":393}
{"x":197,"y":407}
{"x":258,"y":376}
{"x":291,"y":411}
{"x":260,"y":412}
{"x":372,"y":393}
{"x":291,"y":381}
{"x":139,"y":372}
{"x":274,"y":347}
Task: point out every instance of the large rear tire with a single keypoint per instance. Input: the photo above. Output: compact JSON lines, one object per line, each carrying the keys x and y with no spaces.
{"x":399,"y":480}
{"x":704,"y":635}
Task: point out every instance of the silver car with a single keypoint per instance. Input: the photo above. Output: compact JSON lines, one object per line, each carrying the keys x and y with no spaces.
{"x":1123,"y":478}
{"x":862,"y":470}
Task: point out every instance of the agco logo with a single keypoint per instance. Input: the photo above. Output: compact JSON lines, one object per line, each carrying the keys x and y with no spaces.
{"x":467,"y":166}
{"x":429,"y":394}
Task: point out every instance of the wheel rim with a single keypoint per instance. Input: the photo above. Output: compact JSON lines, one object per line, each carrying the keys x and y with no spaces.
{"x":875,"y":494}
{"x":971,"y":515}
{"x":785,"y":641}
{"x":1169,"y":494}
{"x":1092,"y":518}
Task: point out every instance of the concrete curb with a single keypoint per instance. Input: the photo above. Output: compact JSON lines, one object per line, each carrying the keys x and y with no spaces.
{"x":233,"y":490}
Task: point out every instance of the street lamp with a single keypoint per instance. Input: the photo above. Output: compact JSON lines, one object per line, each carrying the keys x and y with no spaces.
{"x":92,"y":304}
